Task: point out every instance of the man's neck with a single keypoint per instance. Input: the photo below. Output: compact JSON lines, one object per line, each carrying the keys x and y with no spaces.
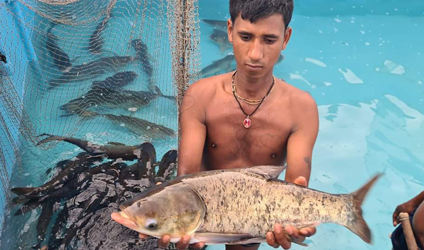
{"x":252,"y":88}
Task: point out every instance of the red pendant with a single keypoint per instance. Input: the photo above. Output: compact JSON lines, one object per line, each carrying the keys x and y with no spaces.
{"x":247,"y":122}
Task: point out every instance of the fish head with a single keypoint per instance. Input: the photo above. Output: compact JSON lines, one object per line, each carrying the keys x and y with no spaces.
{"x":171,"y":210}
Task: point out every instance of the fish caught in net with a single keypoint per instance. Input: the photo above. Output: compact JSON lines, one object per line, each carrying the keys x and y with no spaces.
{"x":110,"y":74}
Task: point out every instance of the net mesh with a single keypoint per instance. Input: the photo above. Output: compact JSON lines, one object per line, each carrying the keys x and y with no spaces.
{"x":93,"y":70}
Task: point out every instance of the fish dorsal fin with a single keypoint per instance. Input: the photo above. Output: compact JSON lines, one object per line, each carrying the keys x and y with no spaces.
{"x":115,"y":143}
{"x":267,"y":171}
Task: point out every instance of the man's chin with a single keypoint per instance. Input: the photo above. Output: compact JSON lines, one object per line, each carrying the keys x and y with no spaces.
{"x":259,"y":73}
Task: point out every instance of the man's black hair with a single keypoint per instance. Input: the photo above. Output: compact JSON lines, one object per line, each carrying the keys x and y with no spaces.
{"x":253,"y":10}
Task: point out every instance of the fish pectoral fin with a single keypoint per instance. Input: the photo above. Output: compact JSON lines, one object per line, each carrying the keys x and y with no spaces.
{"x":221,"y":238}
{"x":249,"y":241}
{"x":294,"y":240}
{"x":267,"y":171}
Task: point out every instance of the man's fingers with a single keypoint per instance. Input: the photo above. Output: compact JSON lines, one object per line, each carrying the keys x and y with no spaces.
{"x":301,"y":181}
{"x":308,"y":231}
{"x":281,"y":235}
{"x":183,"y":243}
{"x":199,"y":245}
{"x":292,"y":231}
{"x":270,"y":239}
{"x":164,"y":241}
{"x":395,"y":216}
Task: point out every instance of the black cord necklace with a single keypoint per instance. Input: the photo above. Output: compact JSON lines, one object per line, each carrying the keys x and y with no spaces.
{"x":247,"y":123}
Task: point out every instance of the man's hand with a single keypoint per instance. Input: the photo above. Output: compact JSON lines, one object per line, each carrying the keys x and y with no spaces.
{"x":281,"y":236}
{"x":182,"y":244}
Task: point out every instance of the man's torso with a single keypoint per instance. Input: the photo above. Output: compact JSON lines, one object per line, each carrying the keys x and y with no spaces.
{"x":228,"y":144}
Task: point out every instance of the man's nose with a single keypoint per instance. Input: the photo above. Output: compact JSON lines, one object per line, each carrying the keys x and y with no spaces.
{"x":256,"y":51}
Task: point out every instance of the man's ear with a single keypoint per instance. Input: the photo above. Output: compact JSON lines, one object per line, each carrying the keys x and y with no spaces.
{"x":230,"y":29}
{"x":287,"y":36}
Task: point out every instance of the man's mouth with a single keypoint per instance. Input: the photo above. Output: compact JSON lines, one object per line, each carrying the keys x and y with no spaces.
{"x":254,"y":66}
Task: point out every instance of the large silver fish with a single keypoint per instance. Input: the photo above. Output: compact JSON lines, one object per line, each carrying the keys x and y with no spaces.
{"x":60,"y":58}
{"x":221,"y":38}
{"x":82,"y":162}
{"x":91,"y":69}
{"x":238,"y":206}
{"x":136,"y":125}
{"x":128,"y":99}
{"x":111,"y":150}
{"x":96,"y":41}
{"x":142,"y":55}
{"x":117,"y":81}
{"x":99,"y":93}
{"x":223,"y":65}
{"x":140,"y":126}
{"x":218,"y":24}
{"x":112,"y":98}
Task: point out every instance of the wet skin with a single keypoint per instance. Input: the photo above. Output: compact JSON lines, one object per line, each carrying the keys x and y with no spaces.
{"x":284,"y":128}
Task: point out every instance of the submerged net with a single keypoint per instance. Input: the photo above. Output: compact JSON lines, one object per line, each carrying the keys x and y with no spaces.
{"x":89,"y":71}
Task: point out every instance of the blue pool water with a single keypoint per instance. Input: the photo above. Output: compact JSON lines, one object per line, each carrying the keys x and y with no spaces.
{"x":362,"y":63}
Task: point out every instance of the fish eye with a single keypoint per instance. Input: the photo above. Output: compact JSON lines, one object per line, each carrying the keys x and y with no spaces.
{"x":152,"y":225}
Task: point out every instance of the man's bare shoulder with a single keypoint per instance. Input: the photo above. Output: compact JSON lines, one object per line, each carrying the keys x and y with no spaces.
{"x":206,"y":88}
{"x":299,"y":99}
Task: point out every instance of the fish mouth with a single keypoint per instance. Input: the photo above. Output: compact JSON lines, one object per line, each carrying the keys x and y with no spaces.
{"x":125,"y":219}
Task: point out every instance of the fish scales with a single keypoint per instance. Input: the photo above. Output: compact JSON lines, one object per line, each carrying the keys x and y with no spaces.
{"x":235,"y":204}
{"x":239,"y":206}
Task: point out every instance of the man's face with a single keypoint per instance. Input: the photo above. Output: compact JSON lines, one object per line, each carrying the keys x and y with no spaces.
{"x":257,"y":46}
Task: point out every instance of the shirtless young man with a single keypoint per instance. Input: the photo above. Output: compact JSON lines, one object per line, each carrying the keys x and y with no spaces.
{"x":283,"y":126}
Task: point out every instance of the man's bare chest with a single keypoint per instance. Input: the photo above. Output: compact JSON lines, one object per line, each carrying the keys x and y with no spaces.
{"x":263,"y":143}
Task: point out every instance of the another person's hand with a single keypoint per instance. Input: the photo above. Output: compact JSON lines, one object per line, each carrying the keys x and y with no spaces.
{"x":407,"y":207}
{"x":280,"y":236}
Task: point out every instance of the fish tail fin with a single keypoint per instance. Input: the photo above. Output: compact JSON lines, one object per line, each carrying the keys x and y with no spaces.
{"x":52,"y":24}
{"x":157,"y":89}
{"x":50,"y":138}
{"x":23,"y":190}
{"x":170,"y":97}
{"x":358,"y":225}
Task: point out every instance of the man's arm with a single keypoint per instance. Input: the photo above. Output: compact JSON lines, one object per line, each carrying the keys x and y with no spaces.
{"x":193,"y":130}
{"x":299,"y":160}
{"x":193,"y":136}
{"x":408,"y":207}
{"x":302,"y":139}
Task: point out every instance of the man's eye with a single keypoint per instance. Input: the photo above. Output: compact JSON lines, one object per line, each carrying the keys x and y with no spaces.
{"x":245,"y":38}
{"x":269,"y":41}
